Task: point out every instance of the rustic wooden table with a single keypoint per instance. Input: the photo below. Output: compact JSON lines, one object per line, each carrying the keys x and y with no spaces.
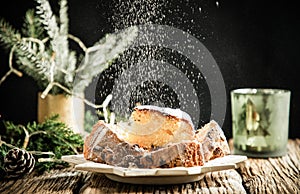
{"x":272,"y":175}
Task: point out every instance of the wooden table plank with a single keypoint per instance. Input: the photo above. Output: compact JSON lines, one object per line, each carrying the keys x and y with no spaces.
{"x":272,"y":175}
{"x":227,"y":181}
{"x":55,"y":182}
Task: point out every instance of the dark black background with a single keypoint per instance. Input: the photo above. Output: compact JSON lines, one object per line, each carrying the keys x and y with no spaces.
{"x":255,"y":43}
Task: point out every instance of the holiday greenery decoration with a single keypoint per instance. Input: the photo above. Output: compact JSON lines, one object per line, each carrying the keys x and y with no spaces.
{"x":46,"y":141}
{"x":42,"y":51}
{"x":18,"y":162}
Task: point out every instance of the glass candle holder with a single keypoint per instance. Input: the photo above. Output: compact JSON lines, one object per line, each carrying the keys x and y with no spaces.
{"x":260,"y":121}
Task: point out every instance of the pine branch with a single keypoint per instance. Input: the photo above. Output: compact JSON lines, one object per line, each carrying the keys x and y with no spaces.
{"x":63,"y":16}
{"x":65,"y":62}
{"x":69,"y":58}
{"x":45,"y":54}
{"x":32,"y":26}
{"x":33,"y":62}
{"x":59,"y":138}
{"x":47,"y":18}
{"x":8,"y":35}
{"x":26,"y":50}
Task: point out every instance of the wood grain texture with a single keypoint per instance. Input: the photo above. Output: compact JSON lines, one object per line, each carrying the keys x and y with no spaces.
{"x":272,"y":175}
{"x":227,"y":181}
{"x":66,"y":182}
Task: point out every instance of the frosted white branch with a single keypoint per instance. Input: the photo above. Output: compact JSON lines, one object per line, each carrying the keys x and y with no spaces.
{"x":52,"y":70}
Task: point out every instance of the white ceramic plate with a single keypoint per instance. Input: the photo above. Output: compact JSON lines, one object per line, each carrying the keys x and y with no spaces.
{"x":175,"y":175}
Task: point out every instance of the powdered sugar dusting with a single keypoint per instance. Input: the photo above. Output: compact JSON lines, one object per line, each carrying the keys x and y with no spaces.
{"x":168,"y":111}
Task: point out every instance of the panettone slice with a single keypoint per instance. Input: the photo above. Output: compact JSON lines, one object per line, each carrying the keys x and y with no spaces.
{"x":152,"y":126}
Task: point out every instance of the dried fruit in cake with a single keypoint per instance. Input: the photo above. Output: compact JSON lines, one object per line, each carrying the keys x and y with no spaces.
{"x":213,"y":141}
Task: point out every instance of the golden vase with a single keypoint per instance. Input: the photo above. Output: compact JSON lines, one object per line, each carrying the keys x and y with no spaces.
{"x":69,"y":108}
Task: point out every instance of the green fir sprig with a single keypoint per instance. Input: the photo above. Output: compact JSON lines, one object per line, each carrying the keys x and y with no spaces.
{"x":47,"y":141}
